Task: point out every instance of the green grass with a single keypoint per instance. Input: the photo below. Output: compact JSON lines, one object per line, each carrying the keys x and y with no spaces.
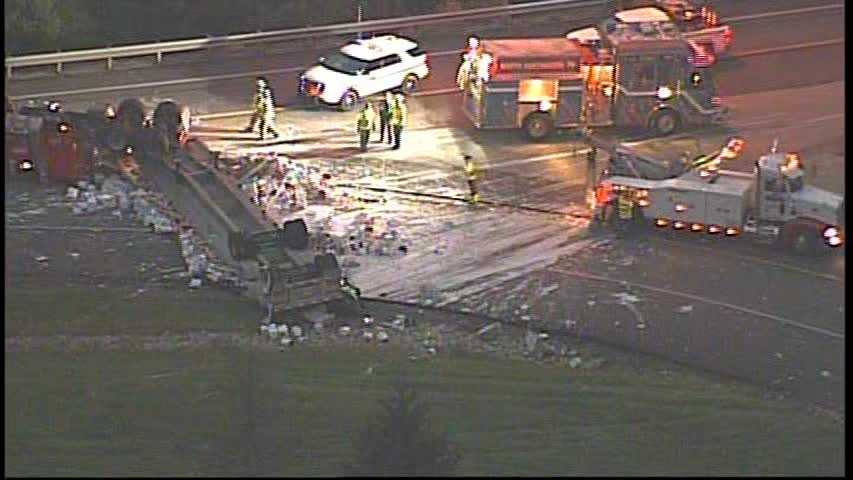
{"x":78,"y":310}
{"x":184,"y":413}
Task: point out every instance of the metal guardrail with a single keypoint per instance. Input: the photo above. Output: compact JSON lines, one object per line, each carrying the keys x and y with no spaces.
{"x":159,"y":48}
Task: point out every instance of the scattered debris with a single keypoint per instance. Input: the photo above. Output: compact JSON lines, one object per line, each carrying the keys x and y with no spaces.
{"x":41,"y":259}
{"x":488,"y":328}
{"x":547,"y":290}
{"x":625,"y":298}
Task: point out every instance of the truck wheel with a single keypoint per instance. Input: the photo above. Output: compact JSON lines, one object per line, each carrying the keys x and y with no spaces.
{"x":236,"y":245}
{"x":130,"y":115}
{"x":538,"y":125}
{"x":801,"y":241}
{"x":349,"y":100}
{"x":665,"y":122}
{"x":167,"y":117}
{"x":410,"y":83}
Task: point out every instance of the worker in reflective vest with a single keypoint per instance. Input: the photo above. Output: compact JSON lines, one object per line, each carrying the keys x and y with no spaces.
{"x":268,"y":114}
{"x":365,"y":122}
{"x":384,"y":114}
{"x":399,"y":115}
{"x":625,"y":206}
{"x":471,"y":175}
{"x":257,"y":105}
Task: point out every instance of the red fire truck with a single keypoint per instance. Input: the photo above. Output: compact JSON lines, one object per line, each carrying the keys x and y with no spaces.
{"x":540,"y":84}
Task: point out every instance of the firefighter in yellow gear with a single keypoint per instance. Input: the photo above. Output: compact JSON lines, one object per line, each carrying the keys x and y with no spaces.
{"x":365,"y":123}
{"x":399,"y":116}
{"x":258,"y":105}
{"x":625,"y":208}
{"x":267,"y":115}
{"x":472,"y":174}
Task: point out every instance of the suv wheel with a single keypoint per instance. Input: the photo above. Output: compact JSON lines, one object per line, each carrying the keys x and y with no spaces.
{"x":410,"y":83}
{"x":349,"y":100}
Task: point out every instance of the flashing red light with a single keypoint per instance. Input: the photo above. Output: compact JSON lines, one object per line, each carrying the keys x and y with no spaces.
{"x":728,"y":36}
{"x":494,"y":67}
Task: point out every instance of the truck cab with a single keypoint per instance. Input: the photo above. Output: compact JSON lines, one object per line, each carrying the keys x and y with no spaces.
{"x":805,"y":215}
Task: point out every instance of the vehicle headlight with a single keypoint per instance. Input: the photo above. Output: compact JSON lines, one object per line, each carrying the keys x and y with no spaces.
{"x":25,"y":165}
{"x":834,"y":241}
{"x":664,"y":93}
{"x":830,"y":232}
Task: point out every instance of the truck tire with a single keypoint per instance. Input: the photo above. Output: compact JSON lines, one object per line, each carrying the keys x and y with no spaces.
{"x":800,"y":239}
{"x":349,"y":100}
{"x":538,"y":125}
{"x":665,"y":122}
{"x":130,"y":115}
{"x":295,"y":234}
{"x":167,"y":117}
{"x":410,"y":83}
{"x":237,"y":245}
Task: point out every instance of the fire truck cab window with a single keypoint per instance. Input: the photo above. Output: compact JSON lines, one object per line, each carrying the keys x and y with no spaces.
{"x":667,"y":70}
{"x":640,"y":75}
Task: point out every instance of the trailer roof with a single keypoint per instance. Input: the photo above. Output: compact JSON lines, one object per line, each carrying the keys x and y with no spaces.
{"x":531,"y":48}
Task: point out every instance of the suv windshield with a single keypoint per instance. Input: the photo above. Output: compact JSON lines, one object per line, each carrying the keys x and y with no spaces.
{"x":344,"y":63}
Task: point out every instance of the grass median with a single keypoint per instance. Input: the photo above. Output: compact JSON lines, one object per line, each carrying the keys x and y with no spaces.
{"x":187,"y":413}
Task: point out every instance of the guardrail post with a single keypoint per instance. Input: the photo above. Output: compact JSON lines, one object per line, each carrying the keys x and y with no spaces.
{"x":109,"y":63}
{"x":9,"y":71}
{"x":58,"y":68}
{"x":159,"y":57}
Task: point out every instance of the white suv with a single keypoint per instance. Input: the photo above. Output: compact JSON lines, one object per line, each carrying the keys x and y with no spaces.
{"x":365,"y":67}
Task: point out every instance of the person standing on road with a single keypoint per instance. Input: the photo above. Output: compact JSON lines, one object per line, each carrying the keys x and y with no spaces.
{"x":268,"y":115}
{"x":399,"y":116}
{"x":257,"y":105}
{"x":365,"y":122}
{"x":625,"y":207}
{"x":385,"y":108}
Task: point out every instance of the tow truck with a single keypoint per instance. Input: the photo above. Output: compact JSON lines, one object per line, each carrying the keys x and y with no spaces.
{"x":539,"y":84}
{"x":772,"y":204}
